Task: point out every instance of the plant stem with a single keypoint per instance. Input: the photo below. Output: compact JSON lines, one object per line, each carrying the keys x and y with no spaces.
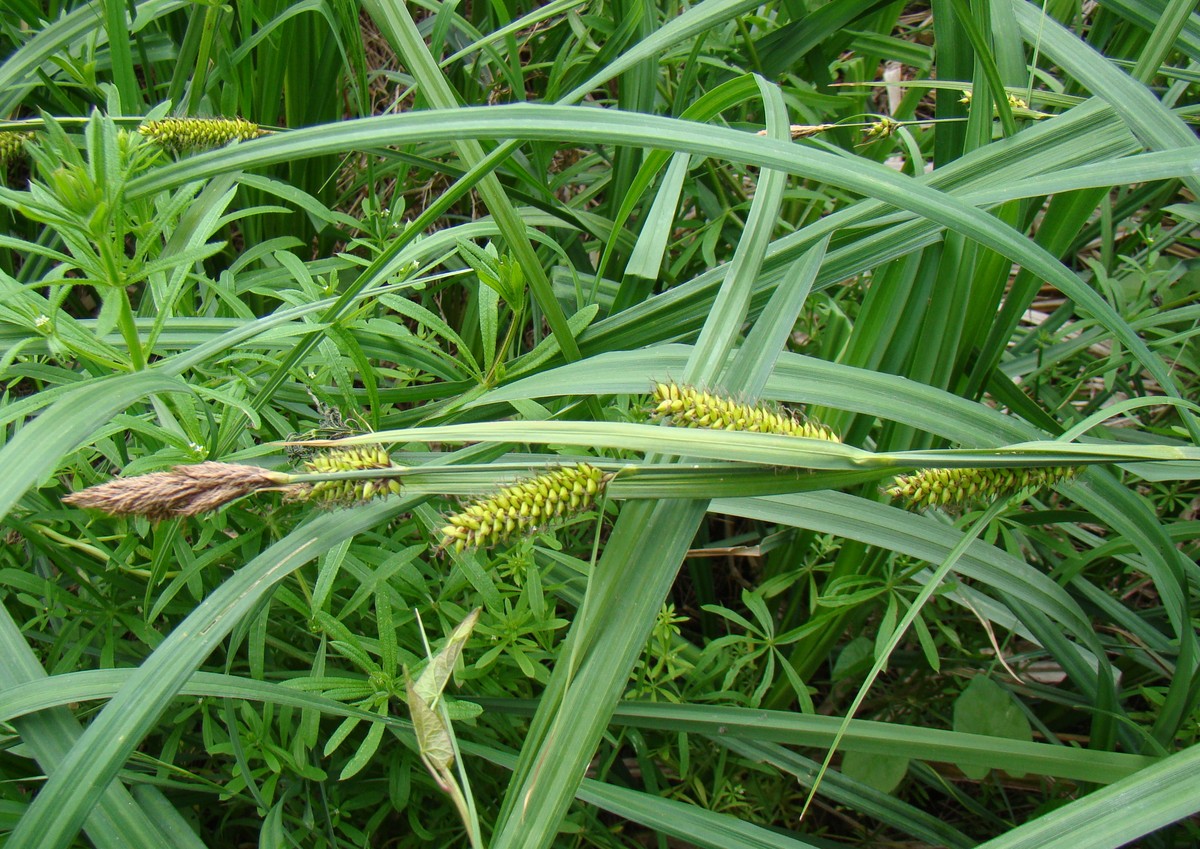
{"x":128,"y":325}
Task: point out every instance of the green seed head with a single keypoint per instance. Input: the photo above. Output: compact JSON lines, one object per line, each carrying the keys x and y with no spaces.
{"x":685,"y":406}
{"x":348,"y":491}
{"x":12,"y":145}
{"x":524,"y":506}
{"x":180,"y":134}
{"x":933,"y":487}
{"x":882,"y":129}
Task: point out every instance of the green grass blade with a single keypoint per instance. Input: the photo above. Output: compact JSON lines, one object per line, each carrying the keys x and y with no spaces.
{"x":916,"y":536}
{"x":126,"y":82}
{"x":638,"y":567}
{"x":724,"y":325}
{"x":1118,"y":814}
{"x":646,"y":259}
{"x":688,"y":822}
{"x":756,"y":359}
{"x":1162,"y":39}
{"x":845,"y":791}
{"x":35,"y":696}
{"x":870,"y":737}
{"x":772,"y":449}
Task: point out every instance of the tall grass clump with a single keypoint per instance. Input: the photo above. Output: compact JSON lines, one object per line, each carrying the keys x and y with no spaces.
{"x":728,"y":424}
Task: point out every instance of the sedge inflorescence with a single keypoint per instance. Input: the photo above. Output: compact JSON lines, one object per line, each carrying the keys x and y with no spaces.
{"x":182,"y":491}
{"x":348,"y":490}
{"x":685,"y":406}
{"x":884,"y":128}
{"x":181,"y":134}
{"x":524,"y":506}
{"x":933,"y":487}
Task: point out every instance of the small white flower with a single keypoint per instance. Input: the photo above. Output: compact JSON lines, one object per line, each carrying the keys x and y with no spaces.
{"x":41,"y":322}
{"x":197,"y":449}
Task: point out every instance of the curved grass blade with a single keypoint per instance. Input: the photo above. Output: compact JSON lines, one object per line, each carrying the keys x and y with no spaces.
{"x":842,"y":790}
{"x":732,"y":303}
{"x":1118,"y":814}
{"x":869,"y":737}
{"x":756,"y":359}
{"x":916,"y":536}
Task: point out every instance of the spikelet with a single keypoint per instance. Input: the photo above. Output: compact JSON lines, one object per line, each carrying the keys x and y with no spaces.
{"x":181,"y":134}
{"x":804,"y":131}
{"x":882,"y":129}
{"x":932,"y":487}
{"x":183,"y":491}
{"x":347,"y":491}
{"x":524,"y":506}
{"x":1014,"y":102}
{"x":685,"y":406}
{"x":12,"y":145}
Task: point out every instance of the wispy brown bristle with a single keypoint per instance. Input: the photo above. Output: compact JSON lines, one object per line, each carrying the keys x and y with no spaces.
{"x":183,"y":491}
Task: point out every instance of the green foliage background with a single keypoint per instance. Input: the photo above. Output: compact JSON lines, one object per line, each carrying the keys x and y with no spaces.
{"x":498,"y":226}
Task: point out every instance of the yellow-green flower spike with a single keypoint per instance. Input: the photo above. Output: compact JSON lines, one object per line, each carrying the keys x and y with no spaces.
{"x":1014,"y":102}
{"x":349,"y":491}
{"x":523,"y":507}
{"x":684,"y":406}
{"x":882,"y":129}
{"x":933,"y":487}
{"x":181,"y":134}
{"x":12,"y":145}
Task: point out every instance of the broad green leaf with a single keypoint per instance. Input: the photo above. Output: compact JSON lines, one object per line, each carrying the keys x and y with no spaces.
{"x":985,"y":707}
{"x":880,"y":772}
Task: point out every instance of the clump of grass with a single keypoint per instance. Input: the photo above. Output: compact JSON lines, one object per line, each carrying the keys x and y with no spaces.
{"x":196,"y":266}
